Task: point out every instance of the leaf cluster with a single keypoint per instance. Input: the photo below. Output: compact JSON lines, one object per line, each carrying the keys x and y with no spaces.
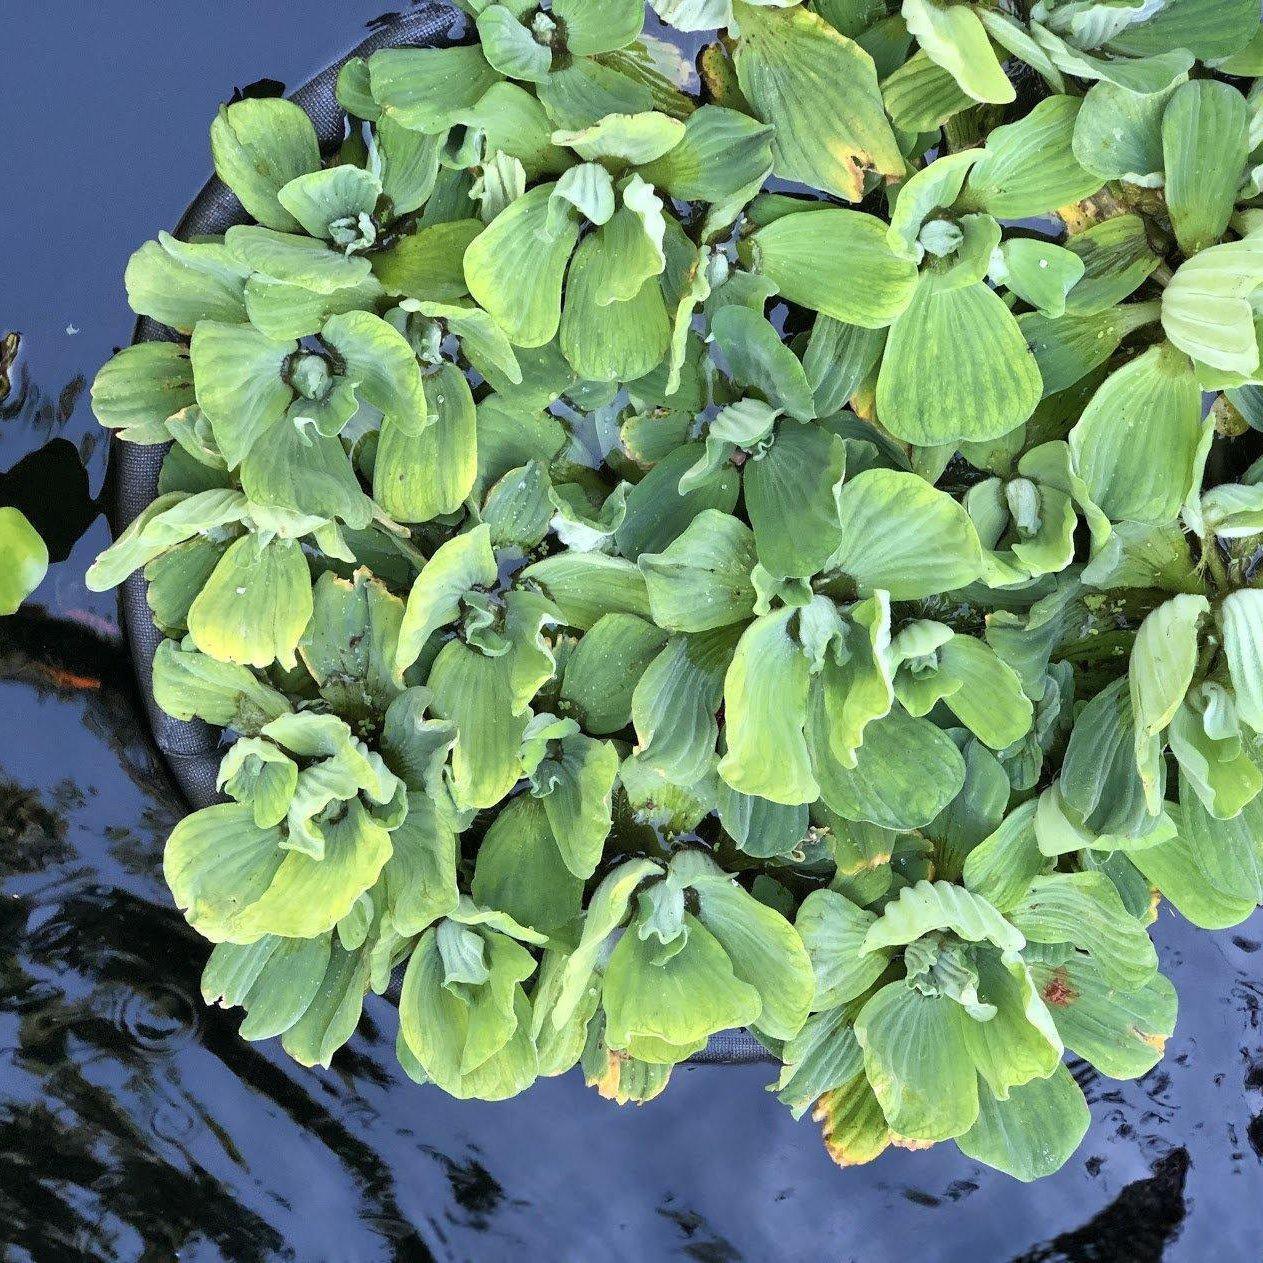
{"x":748,"y":550}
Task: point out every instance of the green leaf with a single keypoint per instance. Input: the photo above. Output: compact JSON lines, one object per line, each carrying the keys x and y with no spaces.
{"x":307,"y":896}
{"x":331,"y":1018}
{"x":179,"y":283}
{"x":488,"y":698}
{"x":956,"y":367}
{"x":586,"y":91}
{"x":188,"y":684}
{"x":306,"y":472}
{"x":633,"y":139}
{"x":259,"y":145}
{"x":836,"y":262}
{"x":658,"y":511}
{"x":832,"y":930}
{"x":589,"y":189}
{"x":765,"y":952}
{"x":918,"y":1063}
{"x":515,"y":123}
{"x":1241,"y":622}
{"x":428,"y":264}
{"x":514,"y":268}
{"x":885,"y":518}
{"x":680,"y":1000}
{"x":702,"y":579}
{"x":1003,"y":865}
{"x":906,"y":772}
{"x":792,"y":495}
{"x":955,"y":39}
{"x":1135,"y":443}
{"x":256,"y":604}
{"x":1118,"y":133}
{"x":675,"y":702}
{"x":1204,"y":149}
{"x":282,"y":310}
{"x":855,"y":681}
{"x":719,"y":155}
{"x":1038,"y":272}
{"x":935,"y":187}
{"x":1122,"y":1033}
{"x":921,"y":96}
{"x":761,"y":828}
{"x":23,"y":559}
{"x":765,"y":707}
{"x":1117,"y":258}
{"x":1033,"y":1132}
{"x":1215,"y":765}
{"x":1019,"y":1043}
{"x":418,"y":882}
{"x":586,"y":586}
{"x":473,"y":1043}
{"x":460,"y":564}
{"x":1029,"y":167}
{"x":425,"y":89}
{"x":409,"y":165}
{"x":603,"y":671}
{"x":421,"y":475}
{"x":838,"y":359}
{"x":217,"y":861}
{"x":1228,"y":853}
{"x":237,"y":374}
{"x":254,"y":771}
{"x":350,"y":643}
{"x":162,"y":523}
{"x":518,"y":508}
{"x":940,"y":905}
{"x":757,"y":359}
{"x":379,"y":359}
{"x":520,"y":870}
{"x":574,"y":779}
{"x":1207,"y":28}
{"x":990,"y":701}
{"x":1084,"y":909}
{"x":296,"y":260}
{"x":1163,"y":659}
{"x":607,"y":910}
{"x":823,"y":1056}
{"x":820,"y":91}
{"x":1207,"y":308}
{"x":591,"y":29}
{"x":1172,"y":867}
{"x":1070,"y":348}
{"x":610,"y":341}
{"x":136,"y":391}
{"x":320,"y":199}
{"x":274,"y":980}
{"x":510,"y":47}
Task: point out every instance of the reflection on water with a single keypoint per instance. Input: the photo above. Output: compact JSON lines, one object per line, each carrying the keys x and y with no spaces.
{"x":135,"y":1125}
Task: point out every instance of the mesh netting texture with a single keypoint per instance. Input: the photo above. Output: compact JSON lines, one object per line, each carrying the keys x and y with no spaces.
{"x":191,"y":749}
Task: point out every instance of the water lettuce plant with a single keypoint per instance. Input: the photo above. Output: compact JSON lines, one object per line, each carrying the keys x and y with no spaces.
{"x":23,"y":559}
{"x":769,"y":547}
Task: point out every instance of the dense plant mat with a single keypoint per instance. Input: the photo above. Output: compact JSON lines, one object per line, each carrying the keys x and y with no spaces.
{"x":749,"y":550}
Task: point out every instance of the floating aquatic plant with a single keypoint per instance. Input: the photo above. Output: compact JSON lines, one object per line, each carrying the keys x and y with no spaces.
{"x":751,"y":556}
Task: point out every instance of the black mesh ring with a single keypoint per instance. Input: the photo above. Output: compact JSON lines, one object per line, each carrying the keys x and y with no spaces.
{"x":191,"y":749}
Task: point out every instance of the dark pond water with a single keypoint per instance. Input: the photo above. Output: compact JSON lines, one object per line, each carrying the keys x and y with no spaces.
{"x":135,"y":1125}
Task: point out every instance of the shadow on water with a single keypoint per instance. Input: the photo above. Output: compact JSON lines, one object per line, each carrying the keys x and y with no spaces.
{"x":136,"y":1126}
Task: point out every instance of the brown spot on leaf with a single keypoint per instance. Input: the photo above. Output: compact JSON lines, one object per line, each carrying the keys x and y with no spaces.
{"x":1057,"y":991}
